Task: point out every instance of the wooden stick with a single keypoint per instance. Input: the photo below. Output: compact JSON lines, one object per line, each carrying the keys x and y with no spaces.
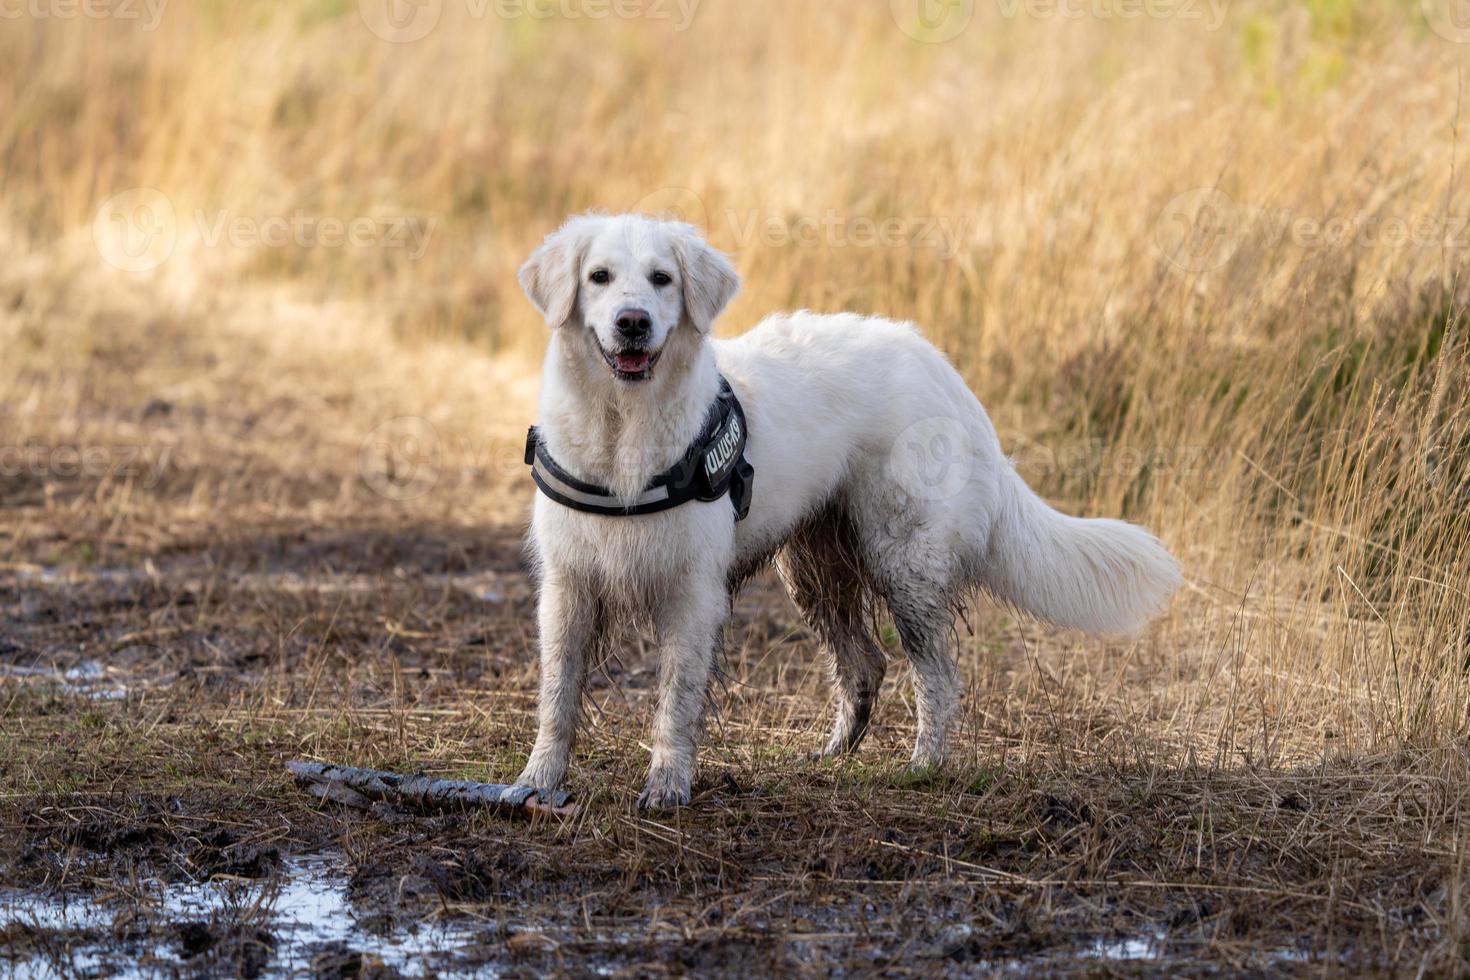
{"x":364,"y":787}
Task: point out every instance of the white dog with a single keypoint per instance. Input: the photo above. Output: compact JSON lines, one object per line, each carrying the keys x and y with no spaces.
{"x":878,"y":479}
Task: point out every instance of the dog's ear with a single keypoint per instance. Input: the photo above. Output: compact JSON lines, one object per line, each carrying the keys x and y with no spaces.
{"x":553,"y":273}
{"x":710,"y":281}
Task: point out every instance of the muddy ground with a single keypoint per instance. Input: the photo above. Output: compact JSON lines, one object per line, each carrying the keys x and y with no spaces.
{"x":152,"y":694}
{"x":249,"y":584}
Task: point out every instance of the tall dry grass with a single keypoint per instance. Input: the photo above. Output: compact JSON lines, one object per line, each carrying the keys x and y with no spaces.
{"x":1115,"y":227}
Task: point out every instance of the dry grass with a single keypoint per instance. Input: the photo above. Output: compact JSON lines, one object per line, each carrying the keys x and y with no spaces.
{"x":1133,"y":281}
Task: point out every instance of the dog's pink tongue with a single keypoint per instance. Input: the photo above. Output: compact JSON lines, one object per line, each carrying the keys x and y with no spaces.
{"x":633,"y":363}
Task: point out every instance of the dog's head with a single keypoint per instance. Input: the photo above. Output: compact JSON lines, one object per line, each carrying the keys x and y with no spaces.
{"x":629,"y":285}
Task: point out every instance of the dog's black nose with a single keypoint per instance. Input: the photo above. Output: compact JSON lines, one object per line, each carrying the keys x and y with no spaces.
{"x":634,"y":324}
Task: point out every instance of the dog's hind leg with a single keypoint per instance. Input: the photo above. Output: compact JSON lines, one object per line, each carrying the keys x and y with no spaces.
{"x":924,"y":622}
{"x":913,"y":567}
{"x":823,"y":573}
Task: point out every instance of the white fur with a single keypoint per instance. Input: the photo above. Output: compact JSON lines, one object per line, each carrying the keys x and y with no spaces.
{"x":878,"y":477}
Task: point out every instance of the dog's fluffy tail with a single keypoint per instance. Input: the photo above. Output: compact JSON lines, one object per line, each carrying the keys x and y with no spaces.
{"x":1102,"y":576}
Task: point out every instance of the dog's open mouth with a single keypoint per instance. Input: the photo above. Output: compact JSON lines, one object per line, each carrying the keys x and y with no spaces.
{"x":631,"y":365}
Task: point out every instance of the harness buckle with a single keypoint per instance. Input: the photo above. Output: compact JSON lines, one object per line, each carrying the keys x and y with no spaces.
{"x":533,"y":439}
{"x":742,"y":489}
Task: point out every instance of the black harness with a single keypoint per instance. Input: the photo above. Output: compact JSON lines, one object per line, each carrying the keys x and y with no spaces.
{"x":713,"y":466}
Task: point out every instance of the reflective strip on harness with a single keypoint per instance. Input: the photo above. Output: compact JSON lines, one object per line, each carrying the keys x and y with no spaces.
{"x":546,"y":479}
{"x":713,"y":466}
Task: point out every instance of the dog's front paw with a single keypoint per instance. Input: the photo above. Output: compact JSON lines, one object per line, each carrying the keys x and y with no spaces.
{"x":666,"y":789}
{"x":541,"y":775}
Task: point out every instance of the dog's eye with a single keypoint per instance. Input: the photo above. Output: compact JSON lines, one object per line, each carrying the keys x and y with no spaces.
{"x":660,"y":279}
{"x":602,"y":277}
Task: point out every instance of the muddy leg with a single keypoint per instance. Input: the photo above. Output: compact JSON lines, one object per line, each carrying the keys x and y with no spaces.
{"x":688,"y":631}
{"x":569,"y":624}
{"x":924,"y":622}
{"x":824,"y":577}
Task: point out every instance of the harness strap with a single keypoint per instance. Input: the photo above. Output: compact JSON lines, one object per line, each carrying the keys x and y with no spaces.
{"x":712,"y":467}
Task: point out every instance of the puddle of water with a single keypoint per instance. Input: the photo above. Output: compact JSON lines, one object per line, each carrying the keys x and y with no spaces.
{"x":69,"y":575}
{"x":305,"y":909}
{"x":306,"y":912}
{"x":89,"y":679}
{"x":1145,"y":947}
{"x":1127,"y":948}
{"x":954,"y":938}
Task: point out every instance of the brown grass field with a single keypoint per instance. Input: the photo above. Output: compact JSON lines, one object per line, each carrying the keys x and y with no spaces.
{"x":265,"y":373}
